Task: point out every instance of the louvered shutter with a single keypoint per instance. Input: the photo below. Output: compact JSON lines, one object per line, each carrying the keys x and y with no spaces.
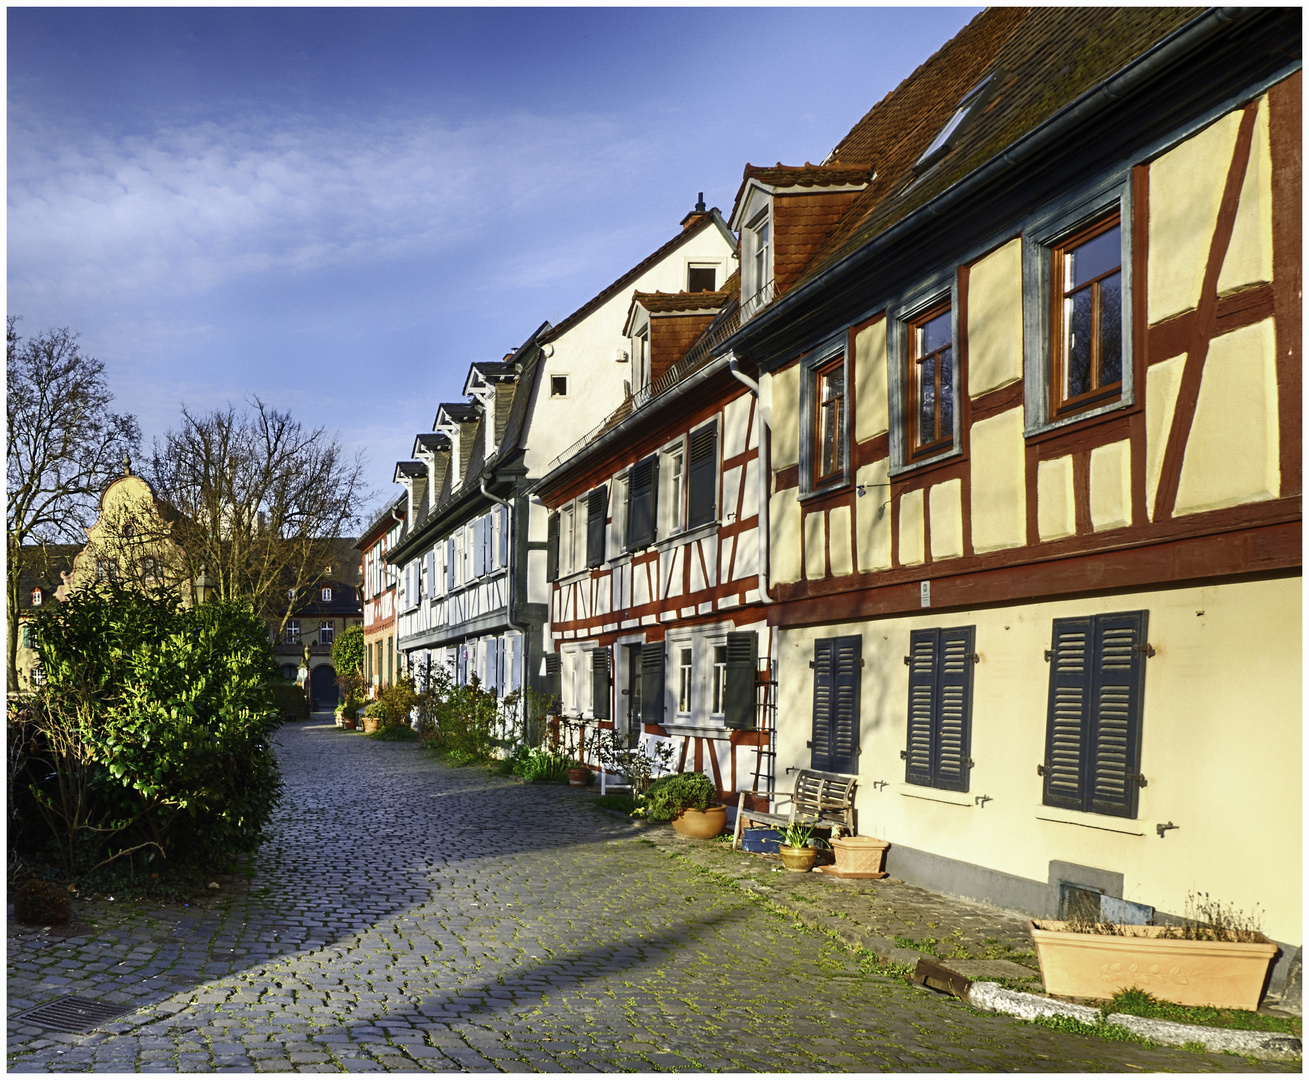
{"x":954,"y":709}
{"x":493,"y":664}
{"x":479,"y":546}
{"x":820,"y":743}
{"x":519,"y":644}
{"x":847,"y":664}
{"x":642,"y":503}
{"x":450,"y":564}
{"x":554,"y":687}
{"x":739,"y":694}
{"x":1118,"y":684}
{"x":600,"y":684}
{"x":1067,"y":714}
{"x":552,"y":548}
{"x":597,"y":503}
{"x":652,"y":682}
{"x":431,"y":573}
{"x":504,"y":534}
{"x":463,"y":665}
{"x":702,"y":484}
{"x":922,"y":692}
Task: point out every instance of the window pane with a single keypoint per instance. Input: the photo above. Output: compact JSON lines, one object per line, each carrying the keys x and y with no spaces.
{"x":946,"y":409}
{"x":1098,"y":255}
{"x":1077,"y":343}
{"x":1111,"y":330}
{"x":684,"y":687}
{"x":927,"y":401}
{"x":935,"y":334}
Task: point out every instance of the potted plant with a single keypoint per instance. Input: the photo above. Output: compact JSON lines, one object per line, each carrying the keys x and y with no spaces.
{"x":857,"y":856}
{"x":690,"y":802}
{"x":373,"y":716}
{"x":1216,"y":957}
{"x":579,"y":775}
{"x":799,"y":847}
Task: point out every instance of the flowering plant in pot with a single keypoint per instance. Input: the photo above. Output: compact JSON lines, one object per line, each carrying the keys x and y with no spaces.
{"x":799,"y":846}
{"x":690,"y":802}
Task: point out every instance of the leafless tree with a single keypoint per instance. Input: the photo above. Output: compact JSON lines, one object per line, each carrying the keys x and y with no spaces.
{"x":63,"y":445}
{"x":259,"y":496}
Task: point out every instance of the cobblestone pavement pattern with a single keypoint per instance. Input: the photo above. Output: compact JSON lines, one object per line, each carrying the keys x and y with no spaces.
{"x":407,"y":916}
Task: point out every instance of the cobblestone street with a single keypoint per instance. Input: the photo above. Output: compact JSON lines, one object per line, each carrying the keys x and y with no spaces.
{"x":406,"y":916}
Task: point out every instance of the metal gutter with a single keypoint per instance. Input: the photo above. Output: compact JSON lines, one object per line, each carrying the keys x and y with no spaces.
{"x":1121,"y":84}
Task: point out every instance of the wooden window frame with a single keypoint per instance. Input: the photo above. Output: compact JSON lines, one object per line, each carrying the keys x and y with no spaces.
{"x":835,"y":423}
{"x":941,"y":442}
{"x":1100,"y":394}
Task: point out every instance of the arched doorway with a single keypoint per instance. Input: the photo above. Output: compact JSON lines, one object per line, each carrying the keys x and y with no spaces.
{"x":322,"y":688}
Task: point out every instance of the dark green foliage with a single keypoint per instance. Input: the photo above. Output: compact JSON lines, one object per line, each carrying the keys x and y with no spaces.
{"x":289,"y":701}
{"x":40,"y":903}
{"x":461,"y":723}
{"x":394,"y":733}
{"x":348,"y":651}
{"x":624,"y":804}
{"x":670,"y":795}
{"x":1137,"y":1002}
{"x":152,"y":733}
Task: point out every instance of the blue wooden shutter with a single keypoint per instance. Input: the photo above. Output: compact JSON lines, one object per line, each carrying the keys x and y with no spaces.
{"x":1115,"y":731}
{"x":643,"y":503}
{"x":739,"y":694}
{"x":600,"y":683}
{"x":847,"y":664}
{"x":597,"y":503}
{"x":702,"y":483}
{"x":652,"y":682}
{"x":954,"y":709}
{"x":820,"y":742}
{"x":922,"y":691}
{"x":552,"y":548}
{"x":479,"y":546}
{"x":1068,"y":710}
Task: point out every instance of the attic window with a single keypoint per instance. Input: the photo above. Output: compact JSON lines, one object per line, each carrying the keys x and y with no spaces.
{"x":558,"y":386}
{"x":701,"y":278}
{"x":327,"y":596}
{"x":970,"y":104}
{"x":36,"y":598}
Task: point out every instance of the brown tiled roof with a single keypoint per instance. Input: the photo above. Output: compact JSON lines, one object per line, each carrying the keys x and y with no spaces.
{"x":806,"y":175}
{"x":1045,"y":58}
{"x":681,"y":301}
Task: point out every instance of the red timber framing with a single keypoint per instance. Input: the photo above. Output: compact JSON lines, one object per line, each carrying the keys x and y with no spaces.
{"x":1156,"y":548}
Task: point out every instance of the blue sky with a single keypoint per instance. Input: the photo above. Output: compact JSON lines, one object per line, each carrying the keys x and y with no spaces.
{"x":339,"y":209}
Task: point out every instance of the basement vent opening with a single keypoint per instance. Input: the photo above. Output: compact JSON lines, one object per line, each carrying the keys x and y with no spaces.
{"x":73,"y":1014}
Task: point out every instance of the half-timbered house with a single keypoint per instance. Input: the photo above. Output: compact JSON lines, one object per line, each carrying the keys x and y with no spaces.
{"x":379,"y":589}
{"x":472,"y":591}
{"x":1028,"y":341}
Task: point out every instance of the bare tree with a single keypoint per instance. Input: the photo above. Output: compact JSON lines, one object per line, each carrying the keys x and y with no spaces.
{"x":259,"y":497}
{"x":63,"y":447}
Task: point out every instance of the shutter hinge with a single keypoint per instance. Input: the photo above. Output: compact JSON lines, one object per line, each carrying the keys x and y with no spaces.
{"x":811,"y":664}
{"x":1147,"y":648}
{"x":861,"y":661}
{"x":1049,"y":655}
{"x":809,"y":745}
{"x":1040,"y":770}
{"x":970,"y":763}
{"x":858,"y":750}
{"x":1138,"y":778}
{"x":976,"y":658}
{"x":904,"y":755}
{"x":906,"y":661}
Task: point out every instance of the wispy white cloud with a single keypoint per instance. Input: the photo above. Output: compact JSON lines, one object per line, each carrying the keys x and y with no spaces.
{"x":186,"y":210}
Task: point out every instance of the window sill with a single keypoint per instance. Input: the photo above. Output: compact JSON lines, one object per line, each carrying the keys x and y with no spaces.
{"x":1067,"y":424}
{"x":686,"y":536}
{"x":698,"y":730}
{"x":1060,"y":816}
{"x":833,"y":487}
{"x":936,"y":795}
{"x":946,"y":457}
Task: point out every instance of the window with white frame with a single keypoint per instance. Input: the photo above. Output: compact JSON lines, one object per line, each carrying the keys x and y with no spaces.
{"x":326,"y":633}
{"x":326,"y":595}
{"x":672,"y":489}
{"x":718,"y":685}
{"x":757,"y":261}
{"x":291,"y":635}
{"x":37,"y":598}
{"x":567,"y":539}
{"x":685,"y":680}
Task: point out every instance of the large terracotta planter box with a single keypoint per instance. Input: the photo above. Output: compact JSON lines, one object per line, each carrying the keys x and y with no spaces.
{"x":1221,"y":974}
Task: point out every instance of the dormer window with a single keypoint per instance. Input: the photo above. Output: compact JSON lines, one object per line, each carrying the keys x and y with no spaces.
{"x":37,"y":597}
{"x":643,"y":358}
{"x":327,"y":596}
{"x":701,"y":278}
{"x":758,"y":261}
{"x":943,"y":142}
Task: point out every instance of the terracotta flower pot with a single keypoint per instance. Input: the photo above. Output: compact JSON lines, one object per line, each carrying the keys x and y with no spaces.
{"x":579,"y":776}
{"x":348,"y":722}
{"x":799,"y":859}
{"x":1221,"y":974}
{"x":859,"y":856}
{"x":701,"y":824}
{"x":372,"y":723}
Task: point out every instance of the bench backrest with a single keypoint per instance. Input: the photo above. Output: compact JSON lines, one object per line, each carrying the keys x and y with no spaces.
{"x":823,"y":794}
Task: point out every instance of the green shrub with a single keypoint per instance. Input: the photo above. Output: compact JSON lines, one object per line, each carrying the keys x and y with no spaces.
{"x":394,"y":733}
{"x":289,"y":701}
{"x":348,"y":652}
{"x":624,"y":804}
{"x":396,"y":702}
{"x":152,"y":732}
{"x":668,"y":796}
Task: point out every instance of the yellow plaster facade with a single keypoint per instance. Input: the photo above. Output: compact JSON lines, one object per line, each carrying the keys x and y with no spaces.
{"x":873,"y":517}
{"x":815,"y":545}
{"x":1189,"y":180}
{"x":998,"y":486}
{"x":945,"y":502}
{"x":1161,"y":385}
{"x":1249,"y":258}
{"x":786,"y":417}
{"x":784,"y":536}
{"x":1232,"y":454}
{"x":1055,"y":510}
{"x":995,"y":319}
{"x":871,"y":414}
{"x":1111,"y":486}
{"x":838,"y":541}
{"x":911,"y":528}
{"x":130,"y":540}
{"x":1213,"y":682}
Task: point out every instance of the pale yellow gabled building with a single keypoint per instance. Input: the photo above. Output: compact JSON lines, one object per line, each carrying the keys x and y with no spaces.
{"x":1035,"y":507}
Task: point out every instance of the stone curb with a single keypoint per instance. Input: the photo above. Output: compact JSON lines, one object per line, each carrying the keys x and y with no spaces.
{"x":991,"y":997}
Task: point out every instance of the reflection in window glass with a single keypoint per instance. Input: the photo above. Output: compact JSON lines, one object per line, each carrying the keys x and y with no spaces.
{"x":684,"y":681}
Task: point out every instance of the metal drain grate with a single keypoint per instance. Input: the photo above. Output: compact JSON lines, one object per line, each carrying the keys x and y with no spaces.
{"x":73,"y":1014}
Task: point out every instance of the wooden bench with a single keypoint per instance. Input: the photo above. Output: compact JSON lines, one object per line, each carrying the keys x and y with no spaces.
{"x":819,"y":798}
